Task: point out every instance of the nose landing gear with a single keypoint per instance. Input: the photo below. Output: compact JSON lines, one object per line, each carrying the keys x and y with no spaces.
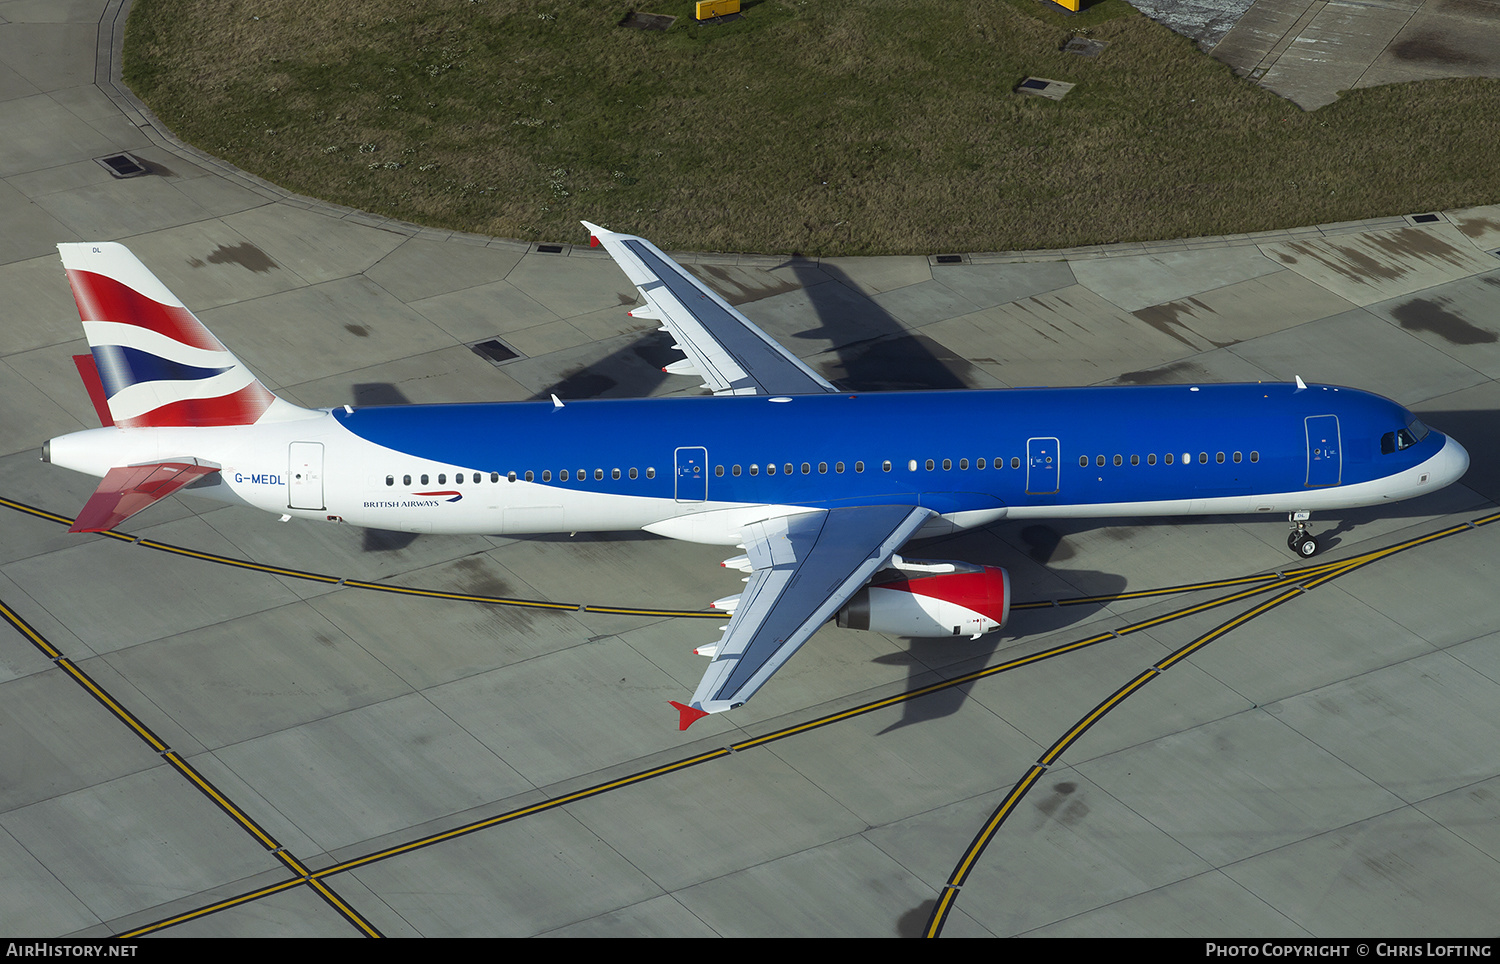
{"x":1299,"y":540}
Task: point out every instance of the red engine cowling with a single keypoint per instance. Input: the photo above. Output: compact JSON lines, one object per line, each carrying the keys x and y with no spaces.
{"x":969,"y":602}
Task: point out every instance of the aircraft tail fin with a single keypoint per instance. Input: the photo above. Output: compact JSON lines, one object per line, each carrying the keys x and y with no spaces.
{"x":157,"y":364}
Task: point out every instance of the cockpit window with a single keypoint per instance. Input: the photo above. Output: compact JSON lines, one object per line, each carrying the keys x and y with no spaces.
{"x":1404,"y":438}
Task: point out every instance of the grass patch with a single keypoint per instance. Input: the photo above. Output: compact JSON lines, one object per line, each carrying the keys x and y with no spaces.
{"x":821,"y":128}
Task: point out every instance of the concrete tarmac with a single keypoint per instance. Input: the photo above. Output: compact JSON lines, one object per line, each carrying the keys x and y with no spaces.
{"x":194,"y":748}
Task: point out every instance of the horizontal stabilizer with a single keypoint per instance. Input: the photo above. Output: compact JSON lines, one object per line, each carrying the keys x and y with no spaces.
{"x":129,"y":489}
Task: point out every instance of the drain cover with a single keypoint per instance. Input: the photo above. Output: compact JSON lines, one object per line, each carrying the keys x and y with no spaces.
{"x":1042,"y":87}
{"x":123,"y":165}
{"x":494,"y":351}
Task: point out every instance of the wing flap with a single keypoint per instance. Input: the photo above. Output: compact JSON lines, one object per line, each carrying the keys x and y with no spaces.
{"x":723,"y":347}
{"x":804,"y":568}
{"x":129,"y":489}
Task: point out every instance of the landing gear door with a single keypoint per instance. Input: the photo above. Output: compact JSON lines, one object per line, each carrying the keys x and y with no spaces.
{"x":1042,"y":464}
{"x":305,"y":476}
{"x":1325,"y":463}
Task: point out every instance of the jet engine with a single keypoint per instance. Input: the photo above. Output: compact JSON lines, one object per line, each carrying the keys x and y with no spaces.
{"x":917,"y":598}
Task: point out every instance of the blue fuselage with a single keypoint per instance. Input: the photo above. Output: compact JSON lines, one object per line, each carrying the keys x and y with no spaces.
{"x":951,"y":451}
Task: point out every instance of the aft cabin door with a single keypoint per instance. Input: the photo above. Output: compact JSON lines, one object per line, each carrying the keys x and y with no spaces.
{"x":1042,"y":464}
{"x":692,"y":474}
{"x":1324,"y":454}
{"x":304,"y":482}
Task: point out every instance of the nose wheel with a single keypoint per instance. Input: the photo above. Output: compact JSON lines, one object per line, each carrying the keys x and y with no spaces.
{"x":1299,"y":540}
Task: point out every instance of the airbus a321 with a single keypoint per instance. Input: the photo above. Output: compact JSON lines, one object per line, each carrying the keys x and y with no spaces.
{"x":819,"y":488}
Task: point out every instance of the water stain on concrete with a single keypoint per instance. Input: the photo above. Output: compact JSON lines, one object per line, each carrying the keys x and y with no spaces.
{"x":1432,"y":48}
{"x":358,"y":331}
{"x":1167,"y":318}
{"x":245,"y":254}
{"x":1477,"y":227}
{"x":1431,"y":314}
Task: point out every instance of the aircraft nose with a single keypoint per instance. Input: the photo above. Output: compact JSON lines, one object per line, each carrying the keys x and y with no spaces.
{"x":1454,"y":461}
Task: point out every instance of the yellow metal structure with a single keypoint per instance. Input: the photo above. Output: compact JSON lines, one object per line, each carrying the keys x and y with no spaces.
{"x":1072,"y":5}
{"x":708,"y":9}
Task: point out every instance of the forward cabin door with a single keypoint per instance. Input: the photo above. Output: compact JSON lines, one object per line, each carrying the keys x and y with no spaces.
{"x":304,"y":484}
{"x":1325,"y":462}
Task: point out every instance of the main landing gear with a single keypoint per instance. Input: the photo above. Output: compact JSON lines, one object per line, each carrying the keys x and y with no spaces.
{"x":1299,"y":540}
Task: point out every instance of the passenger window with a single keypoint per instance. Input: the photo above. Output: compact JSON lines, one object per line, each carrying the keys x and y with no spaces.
{"x":1219,"y":458}
{"x":564,"y":475}
{"x":1119,"y":460}
{"x":736,"y":471}
{"x":859,"y":466}
{"x":424,"y":478}
{"x":1238,"y":457}
{"x":546,"y":475}
{"x":1202,"y":458}
{"x":754,"y":469}
{"x":770,"y":468}
{"x":406,"y":480}
{"x":806,"y":469}
{"x":1255,"y":456}
{"x":719,"y":471}
{"x":838,"y":467}
{"x":598,"y":475}
{"x":1099,"y":460}
{"x":511,"y":476}
{"x":1151,"y":459}
{"x":1135,"y":460}
{"x":650,"y":472}
{"x":980,"y":464}
{"x":390,"y":480}
{"x":530,"y":476}
{"x":633,"y":472}
{"x":615,"y":473}
{"x":929,"y":465}
{"x":787,"y":468}
{"x":1083,"y":461}
{"x":886,"y":465}
{"x":1015,"y":462}
{"x":442,"y":478}
{"x":963,"y":465}
{"x":822,"y":468}
{"x":1167,"y":458}
{"x":494,"y":476}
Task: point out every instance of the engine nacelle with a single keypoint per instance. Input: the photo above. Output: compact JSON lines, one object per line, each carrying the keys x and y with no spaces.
{"x":970,"y":601}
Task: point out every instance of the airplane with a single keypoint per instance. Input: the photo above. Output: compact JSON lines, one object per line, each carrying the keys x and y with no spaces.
{"x":818,"y":486}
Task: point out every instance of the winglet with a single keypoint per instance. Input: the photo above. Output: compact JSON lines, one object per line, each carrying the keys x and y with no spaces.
{"x":689,"y":714}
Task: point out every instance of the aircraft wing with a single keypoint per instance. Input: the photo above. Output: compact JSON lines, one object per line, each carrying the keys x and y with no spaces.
{"x":129,"y":489}
{"x":804,"y":567}
{"x":723,"y":347}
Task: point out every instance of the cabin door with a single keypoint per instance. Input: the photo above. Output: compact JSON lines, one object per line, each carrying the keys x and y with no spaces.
{"x":1042,"y":464}
{"x":1324,"y":454}
{"x":304,"y":484}
{"x":692,"y":474}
